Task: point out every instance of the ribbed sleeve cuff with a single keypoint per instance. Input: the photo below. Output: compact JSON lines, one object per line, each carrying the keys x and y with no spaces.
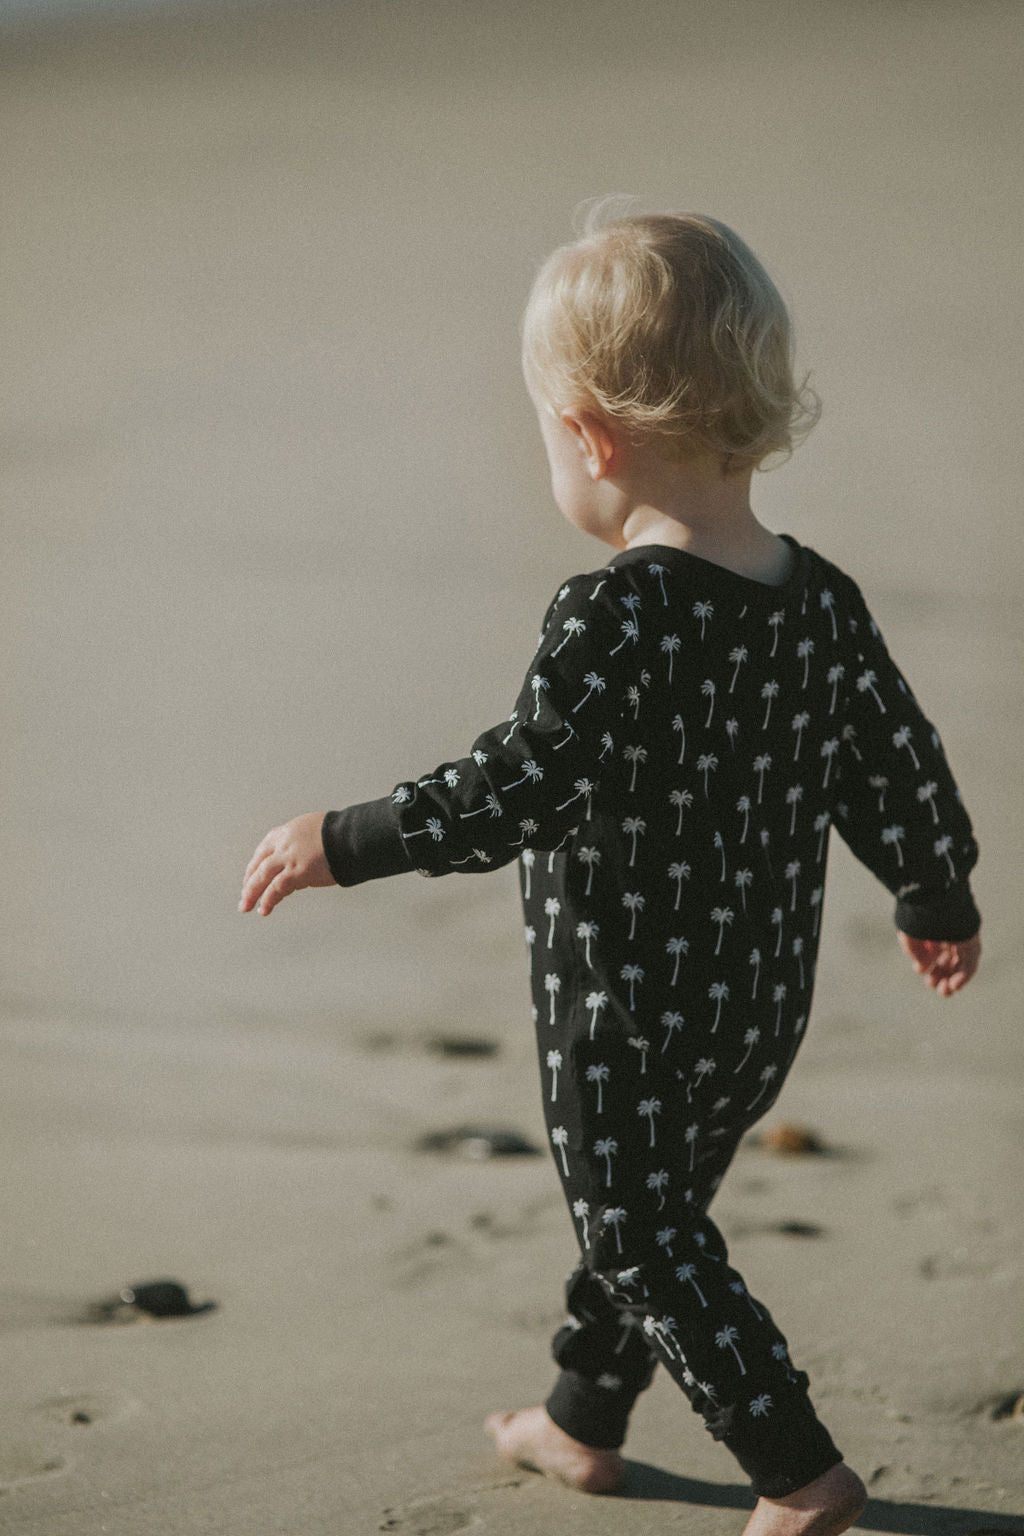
{"x":953,"y":918}
{"x":364,"y":842}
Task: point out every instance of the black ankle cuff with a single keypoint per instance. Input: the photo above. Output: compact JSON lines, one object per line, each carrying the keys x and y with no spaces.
{"x":596,"y":1416}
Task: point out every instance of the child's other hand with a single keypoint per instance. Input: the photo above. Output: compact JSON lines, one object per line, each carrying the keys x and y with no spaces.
{"x":289,"y":858}
{"x":944,"y":965}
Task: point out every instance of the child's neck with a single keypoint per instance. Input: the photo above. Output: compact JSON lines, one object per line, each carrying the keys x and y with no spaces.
{"x":694,"y":507}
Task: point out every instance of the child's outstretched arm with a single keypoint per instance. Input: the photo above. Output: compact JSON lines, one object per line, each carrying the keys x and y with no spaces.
{"x":290,"y":858}
{"x":945,"y":966}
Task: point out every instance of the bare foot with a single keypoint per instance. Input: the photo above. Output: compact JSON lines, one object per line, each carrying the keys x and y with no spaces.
{"x":531,"y":1439}
{"x":825,"y":1507}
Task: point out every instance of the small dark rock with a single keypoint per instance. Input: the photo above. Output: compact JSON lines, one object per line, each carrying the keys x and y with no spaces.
{"x":478,"y":1142}
{"x":789,"y":1140}
{"x":798,"y":1229}
{"x":461,"y":1045}
{"x":1010,"y":1407}
{"x":149,"y":1298}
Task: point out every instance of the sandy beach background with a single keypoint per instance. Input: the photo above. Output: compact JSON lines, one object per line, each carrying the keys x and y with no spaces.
{"x":266,"y":452}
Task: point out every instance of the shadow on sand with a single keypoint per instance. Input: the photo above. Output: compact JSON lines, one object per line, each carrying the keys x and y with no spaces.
{"x":898,"y":1518}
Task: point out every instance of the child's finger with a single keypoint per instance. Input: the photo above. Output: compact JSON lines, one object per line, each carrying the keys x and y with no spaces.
{"x":256,"y":883}
{"x":262,"y":849}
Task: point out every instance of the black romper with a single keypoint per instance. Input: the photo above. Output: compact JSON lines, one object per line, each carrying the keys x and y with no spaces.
{"x":682,"y":744}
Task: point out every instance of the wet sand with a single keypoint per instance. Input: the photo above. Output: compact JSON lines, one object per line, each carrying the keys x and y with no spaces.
{"x":277,"y":535}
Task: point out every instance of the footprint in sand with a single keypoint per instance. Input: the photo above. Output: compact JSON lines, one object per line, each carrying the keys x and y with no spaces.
{"x":20,"y":1464}
{"x":429,"y":1519}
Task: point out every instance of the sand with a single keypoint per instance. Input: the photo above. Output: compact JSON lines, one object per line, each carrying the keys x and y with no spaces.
{"x":266,"y":451}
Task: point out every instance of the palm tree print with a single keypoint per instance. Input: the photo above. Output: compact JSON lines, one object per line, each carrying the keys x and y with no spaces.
{"x":665,"y":1237}
{"x":615,"y":1216}
{"x":941,"y":848}
{"x":634,"y":827}
{"x":552,"y":907}
{"x":750,"y":1039}
{"x":719,"y":842}
{"x":707,"y":688}
{"x":669,"y":646}
{"x":679,"y":872}
{"x":682,"y":800}
{"x":723,"y":916}
{"x":777,"y":920}
{"x":926,"y":794}
{"x":572,"y":627}
{"x":635,"y":902}
{"x":821,"y":826}
{"x":800,"y":724}
{"x":598,"y":1073}
{"x":835,"y":676}
{"x":630,"y":632}
{"x":703,"y":611}
{"x":584,"y":789}
{"x":552,"y":986}
{"x":633,"y":974}
{"x":581,"y":1210}
{"x":679,"y":724}
{"x":492,"y":805}
{"x":554,"y":1062}
{"x":531,"y":771}
{"x":706,"y":763}
{"x":770,"y":691}
{"x":591,"y":857}
{"x":671,"y":1022}
{"x":657,"y":1182}
{"x":677,"y":948}
{"x":828,"y":603}
{"x":643,"y":1046}
{"x":828,"y":751}
{"x":718,"y":993}
{"x":606,"y":1147}
{"x":792,"y":875}
{"x":687,"y":1274}
{"x":726,"y":1339}
{"x":586,"y":932}
{"x":595,"y":684}
{"x":743,"y":806}
{"x":732,"y":730}
{"x":435,"y":828}
{"x":539,"y":685}
{"x":759,"y":1406}
{"x":901,"y":738}
{"x":738,"y":655}
{"x":798,"y":956}
{"x":778,"y":998}
{"x":649,"y":1108}
{"x":660,"y":572}
{"x":805,"y":651}
{"x":739,"y":1289}
{"x":527,"y":859}
{"x":596,"y":1002}
{"x":755,"y":961}
{"x":560,"y":1138}
{"x":633,"y":700}
{"x":636,"y":756}
{"x":768,"y":1075}
{"x":866,"y":684}
{"x":775,"y":620}
{"x":892,"y":837}
{"x":704,"y":1068}
{"x":761,"y":766}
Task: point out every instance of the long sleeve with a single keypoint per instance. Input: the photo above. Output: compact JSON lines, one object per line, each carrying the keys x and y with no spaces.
{"x":898,"y":806}
{"x":525,"y":783}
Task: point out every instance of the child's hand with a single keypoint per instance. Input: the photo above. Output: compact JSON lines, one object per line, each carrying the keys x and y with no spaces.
{"x":288,"y":859}
{"x":944,"y":965}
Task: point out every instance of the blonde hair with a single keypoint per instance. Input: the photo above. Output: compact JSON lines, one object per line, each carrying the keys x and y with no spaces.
{"x":669,"y":324}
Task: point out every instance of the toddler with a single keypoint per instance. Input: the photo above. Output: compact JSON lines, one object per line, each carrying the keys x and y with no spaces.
{"x":699,"y":714}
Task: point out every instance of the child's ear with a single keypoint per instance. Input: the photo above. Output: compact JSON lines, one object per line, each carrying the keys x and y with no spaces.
{"x":598,"y":440}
